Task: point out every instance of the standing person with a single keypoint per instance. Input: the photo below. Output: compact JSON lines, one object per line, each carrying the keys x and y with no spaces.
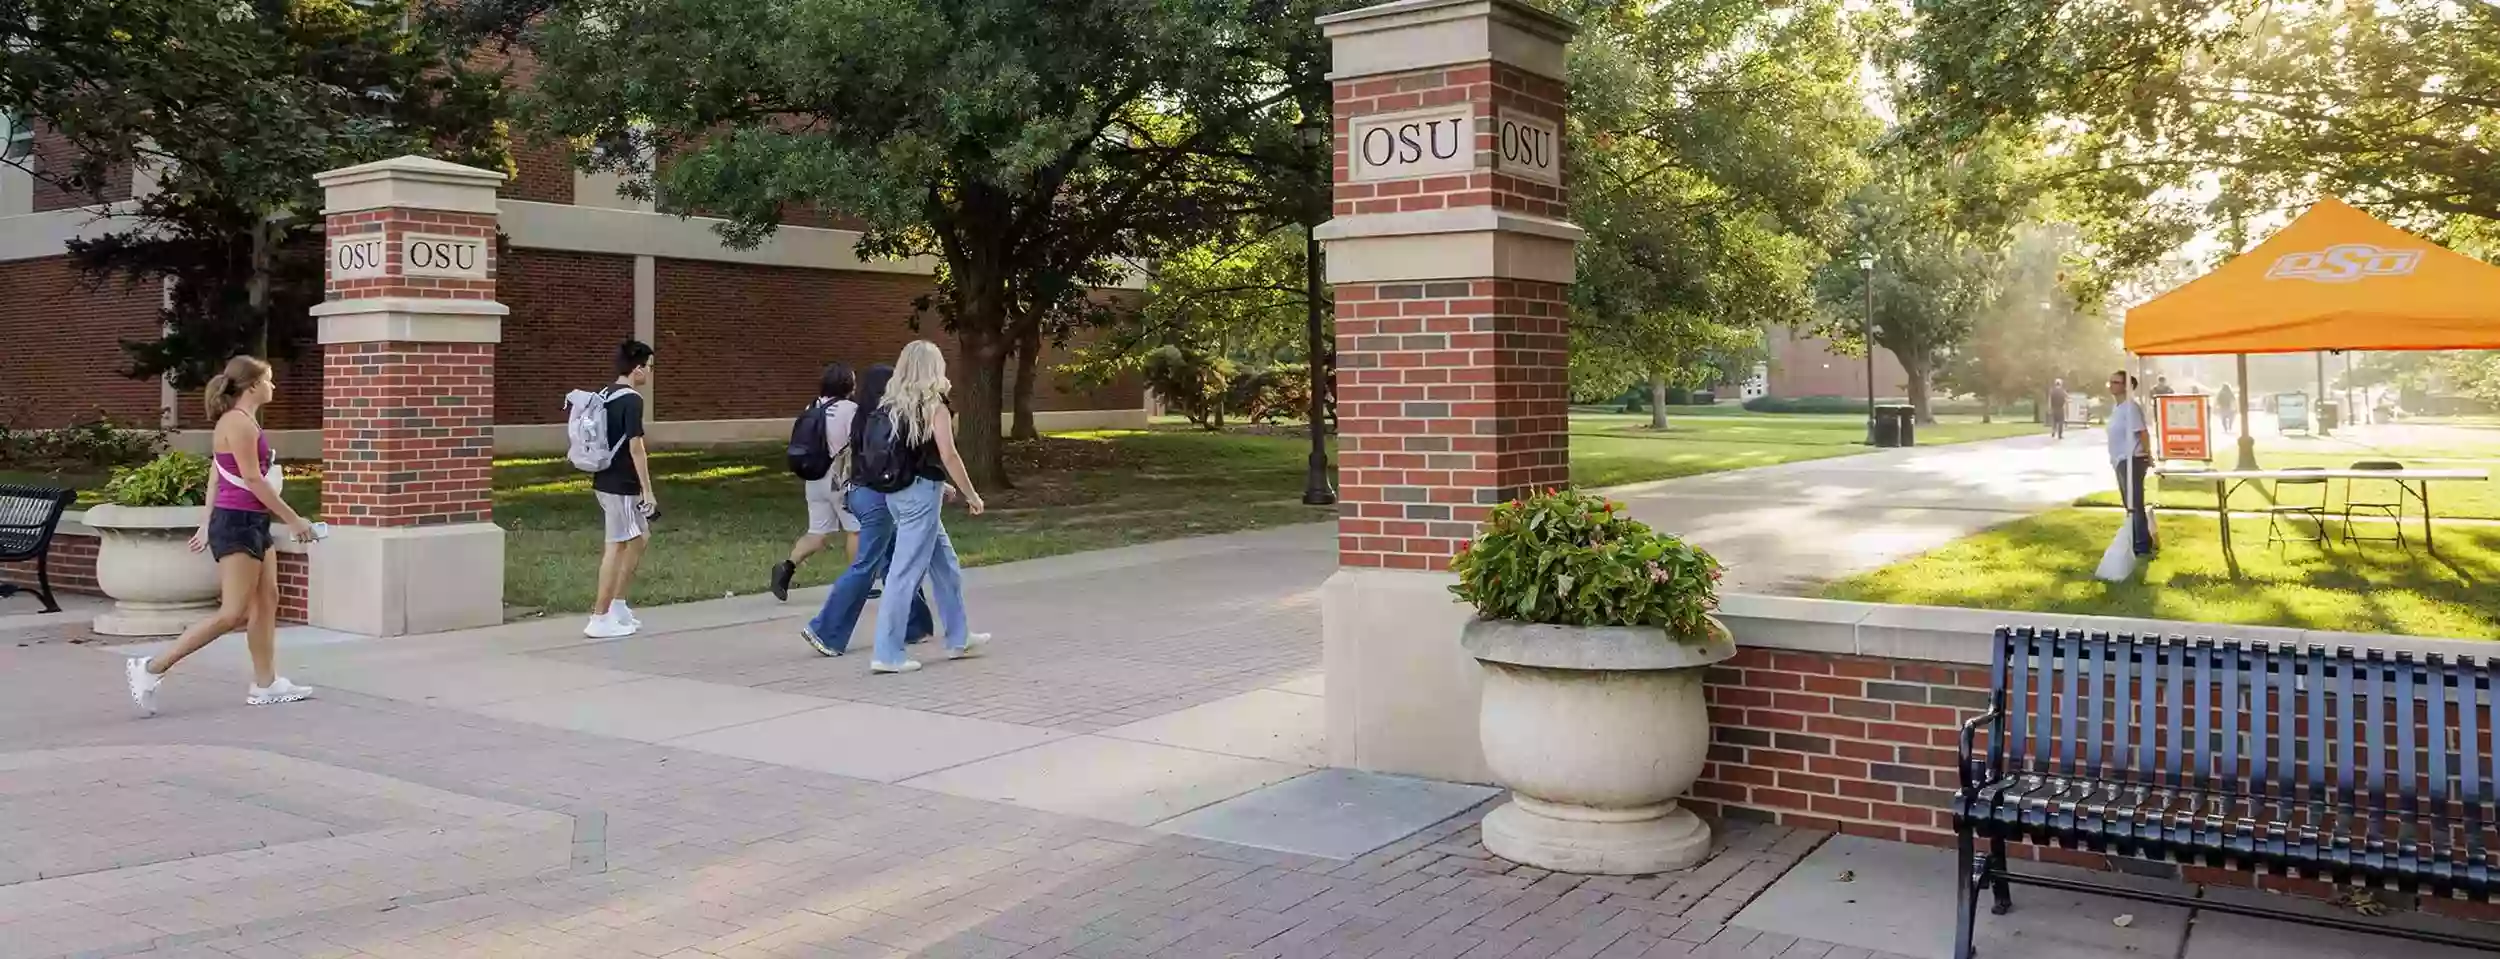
{"x":2223,"y":399}
{"x":2131,"y":455}
{"x":241,"y":501}
{"x":626,"y":498}
{"x":2161,"y":386}
{"x":922,"y":428}
{"x":2057,"y":408}
{"x":825,"y":513}
{"x":830,"y":632}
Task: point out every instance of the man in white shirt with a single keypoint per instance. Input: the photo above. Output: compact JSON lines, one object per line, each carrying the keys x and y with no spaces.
{"x":2131,"y":455}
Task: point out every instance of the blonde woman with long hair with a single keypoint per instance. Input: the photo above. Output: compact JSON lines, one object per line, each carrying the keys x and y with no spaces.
{"x":241,"y":499}
{"x":923,"y":429}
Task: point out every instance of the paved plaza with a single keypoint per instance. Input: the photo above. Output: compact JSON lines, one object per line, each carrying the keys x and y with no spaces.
{"x":1132,"y":772}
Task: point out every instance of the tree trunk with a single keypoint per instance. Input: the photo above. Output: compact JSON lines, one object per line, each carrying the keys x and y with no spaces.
{"x":1028,"y":351}
{"x":1657,"y":401}
{"x":1916,"y":372}
{"x":1987,"y":410}
{"x":977,"y":436}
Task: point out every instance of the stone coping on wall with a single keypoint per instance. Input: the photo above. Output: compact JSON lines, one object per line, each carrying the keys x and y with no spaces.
{"x":1945,"y":634}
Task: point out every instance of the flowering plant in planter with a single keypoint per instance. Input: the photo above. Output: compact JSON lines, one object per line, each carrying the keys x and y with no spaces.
{"x":1570,"y":558}
{"x":173,"y":479}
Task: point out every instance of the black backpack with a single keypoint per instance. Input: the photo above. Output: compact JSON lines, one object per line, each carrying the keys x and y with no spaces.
{"x":882,"y":461}
{"x":811,"y":452}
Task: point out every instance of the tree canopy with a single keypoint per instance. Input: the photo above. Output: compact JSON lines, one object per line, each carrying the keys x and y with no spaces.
{"x":232,"y":108}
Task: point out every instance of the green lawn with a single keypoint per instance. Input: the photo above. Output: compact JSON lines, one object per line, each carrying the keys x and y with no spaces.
{"x":2046,"y":563}
{"x":1611,"y":449}
{"x":729,"y":514}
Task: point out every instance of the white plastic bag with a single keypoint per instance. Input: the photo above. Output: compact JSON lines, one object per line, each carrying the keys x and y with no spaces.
{"x":2118,"y":561}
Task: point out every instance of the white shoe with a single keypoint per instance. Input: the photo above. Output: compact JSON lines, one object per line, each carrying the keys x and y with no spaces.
{"x":906,"y":666}
{"x":142,"y":684}
{"x":602,"y":627}
{"x":624,"y":614}
{"x":972,"y":646}
{"x":277,"y":692}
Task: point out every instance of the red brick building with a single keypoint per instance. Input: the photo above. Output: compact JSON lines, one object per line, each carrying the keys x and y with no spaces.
{"x":741,"y":334}
{"x":1803,"y":365}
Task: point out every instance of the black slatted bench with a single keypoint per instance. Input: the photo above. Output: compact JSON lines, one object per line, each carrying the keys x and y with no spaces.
{"x":28,"y":517}
{"x":2361,"y":769}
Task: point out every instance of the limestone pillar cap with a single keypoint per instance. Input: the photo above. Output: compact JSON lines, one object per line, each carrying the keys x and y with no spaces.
{"x":1408,"y":35}
{"x":410,"y":182}
{"x":1466,"y":219}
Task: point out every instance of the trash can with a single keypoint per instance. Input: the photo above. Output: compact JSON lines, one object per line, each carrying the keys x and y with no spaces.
{"x":2330,"y":415}
{"x":1887,"y":433}
{"x":1895,"y":425}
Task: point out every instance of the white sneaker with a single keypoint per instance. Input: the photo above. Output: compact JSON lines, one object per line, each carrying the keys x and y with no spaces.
{"x":624,"y":615}
{"x":906,"y":666}
{"x":602,"y":627}
{"x":142,"y":684}
{"x":277,"y":692}
{"x":972,"y":646}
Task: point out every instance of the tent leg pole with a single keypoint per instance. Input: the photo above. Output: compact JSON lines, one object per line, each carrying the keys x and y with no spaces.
{"x":2248,"y":440}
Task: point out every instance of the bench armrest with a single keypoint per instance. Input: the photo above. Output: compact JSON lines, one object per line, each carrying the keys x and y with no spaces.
{"x":1974,"y":770}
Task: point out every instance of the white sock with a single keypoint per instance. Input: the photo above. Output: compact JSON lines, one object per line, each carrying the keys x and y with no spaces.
{"x":617,"y":611}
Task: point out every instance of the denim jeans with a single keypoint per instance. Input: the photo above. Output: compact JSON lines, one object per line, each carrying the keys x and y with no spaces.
{"x":843,"y":603}
{"x":2139,"y":513}
{"x":921,"y":549}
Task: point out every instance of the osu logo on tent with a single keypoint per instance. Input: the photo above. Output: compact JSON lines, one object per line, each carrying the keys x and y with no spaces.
{"x":2344,"y":263}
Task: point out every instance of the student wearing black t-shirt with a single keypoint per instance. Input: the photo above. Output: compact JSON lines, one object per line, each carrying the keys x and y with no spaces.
{"x":626,"y":498}
{"x":916,"y":402}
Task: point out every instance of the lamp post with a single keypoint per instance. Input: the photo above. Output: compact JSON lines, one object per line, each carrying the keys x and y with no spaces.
{"x":1317,"y":486}
{"x":1866,"y":268}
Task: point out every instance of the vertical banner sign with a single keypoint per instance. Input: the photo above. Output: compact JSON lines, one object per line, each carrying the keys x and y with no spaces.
{"x":2184,"y":431}
{"x":2291,"y":412}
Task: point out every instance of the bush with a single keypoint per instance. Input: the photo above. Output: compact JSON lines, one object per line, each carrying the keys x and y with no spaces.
{"x":174,"y":479}
{"x":1191,"y":383}
{"x":1805,"y":404}
{"x":1274,"y":393}
{"x":1570,"y":558}
{"x":94,"y":444}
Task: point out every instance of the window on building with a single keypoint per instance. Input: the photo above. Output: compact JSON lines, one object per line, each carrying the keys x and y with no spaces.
{"x":17,"y":138}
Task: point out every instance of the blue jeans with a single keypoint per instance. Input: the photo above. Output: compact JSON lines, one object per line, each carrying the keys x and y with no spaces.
{"x":921,"y":549}
{"x":834,"y":623}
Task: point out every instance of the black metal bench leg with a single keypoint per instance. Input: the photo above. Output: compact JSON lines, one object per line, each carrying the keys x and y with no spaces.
{"x":1965,"y":897}
{"x":43,"y":582}
{"x":1996,"y":868}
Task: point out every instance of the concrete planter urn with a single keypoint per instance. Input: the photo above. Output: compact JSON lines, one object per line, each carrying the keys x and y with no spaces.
{"x":145,"y":563}
{"x":1597,"y":730}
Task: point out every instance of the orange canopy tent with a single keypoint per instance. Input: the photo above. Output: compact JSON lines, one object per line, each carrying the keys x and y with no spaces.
{"x":2335,"y":279}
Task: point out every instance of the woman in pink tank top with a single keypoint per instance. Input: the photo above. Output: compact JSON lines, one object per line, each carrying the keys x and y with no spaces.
{"x":243,"y":496}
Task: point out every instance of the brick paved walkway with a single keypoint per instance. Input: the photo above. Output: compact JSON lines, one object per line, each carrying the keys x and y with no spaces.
{"x":406,"y":813}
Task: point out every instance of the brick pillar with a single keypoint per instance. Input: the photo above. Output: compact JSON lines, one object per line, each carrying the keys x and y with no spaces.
{"x":1451,"y":260}
{"x":408,"y":332}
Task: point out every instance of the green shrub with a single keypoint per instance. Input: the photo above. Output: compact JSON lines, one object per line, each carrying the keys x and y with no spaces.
{"x":1281,"y":392}
{"x":1805,"y":404}
{"x":1189,"y":382}
{"x":174,"y":479}
{"x":1570,"y":558}
{"x":96,"y":443}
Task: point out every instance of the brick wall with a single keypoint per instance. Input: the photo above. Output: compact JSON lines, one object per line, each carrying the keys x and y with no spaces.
{"x":54,"y":156}
{"x":542,"y":171}
{"x":1803,"y":365}
{"x":410,"y":435}
{"x":73,"y":571}
{"x":738,"y":341}
{"x":569,"y":310}
{"x":1452,"y":398}
{"x":1869,"y":746}
{"x":61,"y":359}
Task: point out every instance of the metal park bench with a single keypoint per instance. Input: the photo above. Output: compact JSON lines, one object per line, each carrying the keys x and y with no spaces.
{"x":28,"y":517}
{"x":2355,"y":768}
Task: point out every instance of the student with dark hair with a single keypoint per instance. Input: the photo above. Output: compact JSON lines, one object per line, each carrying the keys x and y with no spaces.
{"x":626,"y":498}
{"x":830,"y":632}
{"x":830,"y":450}
{"x":243,"y":497}
{"x":2131,"y":456}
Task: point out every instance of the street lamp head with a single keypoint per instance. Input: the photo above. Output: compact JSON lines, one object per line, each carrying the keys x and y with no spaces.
{"x":1866,"y":262}
{"x":1310,"y":132}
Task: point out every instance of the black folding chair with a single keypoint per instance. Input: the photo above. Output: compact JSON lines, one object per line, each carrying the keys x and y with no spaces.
{"x":2281,"y":517}
{"x":2383,"y":496}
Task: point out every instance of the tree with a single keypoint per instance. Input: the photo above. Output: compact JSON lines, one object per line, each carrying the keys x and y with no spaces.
{"x":1006,"y":138}
{"x":2035,"y":330}
{"x":234,"y":108}
{"x":1233,"y":301}
{"x":1937,"y":230}
{"x":1711,"y":144}
{"x":2390,"y":104}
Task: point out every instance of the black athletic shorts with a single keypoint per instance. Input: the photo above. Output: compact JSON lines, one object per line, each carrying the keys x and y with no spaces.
{"x":233,"y":531}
